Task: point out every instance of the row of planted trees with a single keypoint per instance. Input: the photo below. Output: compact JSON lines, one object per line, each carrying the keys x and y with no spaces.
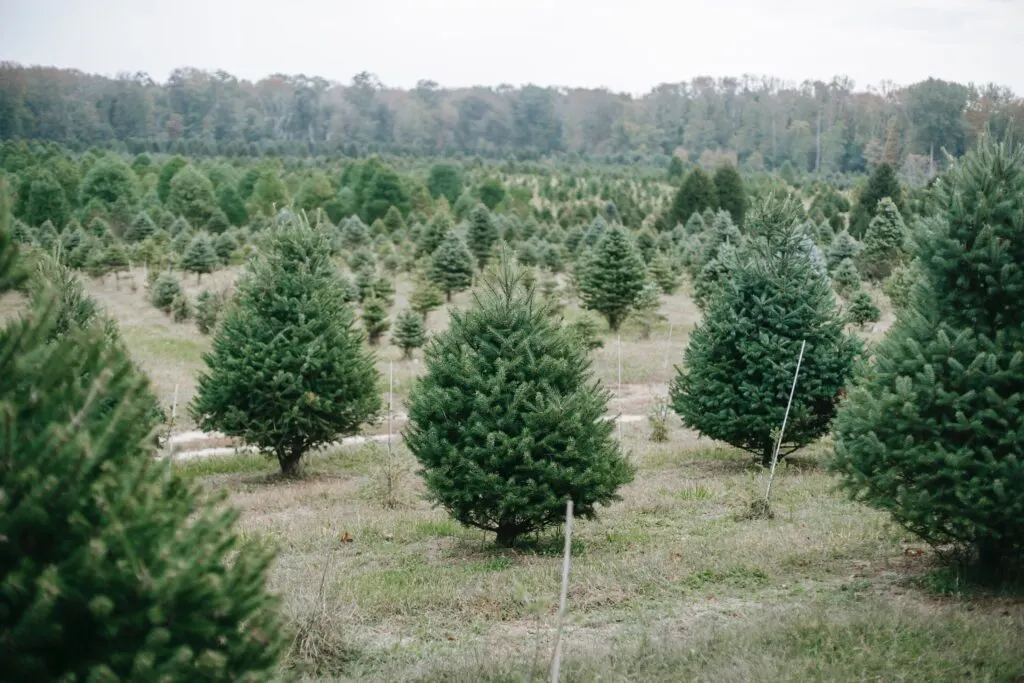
{"x":99,"y":539}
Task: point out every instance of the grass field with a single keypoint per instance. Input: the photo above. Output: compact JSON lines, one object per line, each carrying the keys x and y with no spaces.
{"x":672,"y":583}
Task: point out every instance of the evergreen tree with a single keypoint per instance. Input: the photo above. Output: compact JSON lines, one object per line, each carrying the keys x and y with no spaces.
{"x":884,"y":242}
{"x":663,"y":274}
{"x":675,"y":169}
{"x":425,"y":297}
{"x":595,"y":231}
{"x":46,"y":201}
{"x":846,"y":278}
{"x":437,"y":229}
{"x":84,"y":501}
{"x":738,"y":367}
{"x":899,"y":286}
{"x":165,"y":289}
{"x":224,"y":246}
{"x":409,"y":333}
{"x":881,"y":183}
{"x":730,"y":195}
{"x":167,"y":173}
{"x":929,"y":432}
{"x":714,"y":272}
{"x":583,"y":330}
{"x":47,"y":236}
{"x":200,"y":256}
{"x":451,"y":267}
{"x":116,"y":261}
{"x":207,"y":311}
{"x":181,"y":308}
{"x":482,"y":234}
{"x":863,"y":309}
{"x":507,"y":422}
{"x":647,"y":244}
{"x":843,"y":247}
{"x":142,"y":226}
{"x":375,"y":319}
{"x":445,"y":180}
{"x":611,"y":277}
{"x":109,"y":180}
{"x":695,"y":195}
{"x":491,"y":192}
{"x":269,"y":194}
{"x":192,"y":196}
{"x":393,"y":221}
{"x":232,"y":205}
{"x":288,"y":372}
{"x":645,"y":310}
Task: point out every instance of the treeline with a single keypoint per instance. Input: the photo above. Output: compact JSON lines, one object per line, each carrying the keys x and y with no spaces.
{"x":755,"y":122}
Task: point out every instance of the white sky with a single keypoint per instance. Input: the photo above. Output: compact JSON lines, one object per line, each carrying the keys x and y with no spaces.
{"x":624,"y":45}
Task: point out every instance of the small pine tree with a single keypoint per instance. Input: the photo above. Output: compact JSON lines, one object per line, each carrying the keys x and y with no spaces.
{"x":96,"y":261}
{"x":611,"y":277}
{"x":200,"y":257}
{"x":508,"y":432}
{"x":662,"y":273}
{"x":393,"y":220}
{"x":375,"y":319}
{"x":846,"y":279}
{"x":645,"y":310}
{"x":207,"y":311}
{"x":584,"y":331}
{"x":675,"y":169}
{"x":142,"y":226}
{"x":899,"y":286}
{"x":433,"y":235}
{"x":843,"y":247}
{"x":84,"y":501}
{"x":451,"y":267}
{"x":166,"y":289}
{"x":714,"y":272}
{"x":884,"y":243}
{"x":862,"y":309}
{"x":288,"y":372}
{"x":929,"y":433}
{"x":730,"y":195}
{"x":181,"y":308}
{"x":224,"y":246}
{"x":482,"y":234}
{"x":738,"y":367}
{"x":409,"y":333}
{"x":882,"y":183}
{"x":425,"y":297}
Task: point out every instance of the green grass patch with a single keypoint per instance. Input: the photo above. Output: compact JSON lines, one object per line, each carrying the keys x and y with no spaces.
{"x":235,"y":463}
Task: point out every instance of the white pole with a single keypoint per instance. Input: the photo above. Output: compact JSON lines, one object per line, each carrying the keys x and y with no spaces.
{"x":556,"y":657}
{"x":391,"y":392}
{"x":619,"y":391}
{"x":785,"y":418}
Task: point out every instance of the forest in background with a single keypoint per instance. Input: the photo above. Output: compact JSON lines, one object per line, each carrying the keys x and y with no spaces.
{"x":755,"y":122}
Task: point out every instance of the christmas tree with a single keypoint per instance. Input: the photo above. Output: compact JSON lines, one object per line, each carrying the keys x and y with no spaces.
{"x":288,"y":372}
{"x":482,"y":234}
{"x":611,"y":276}
{"x":200,"y":256}
{"x":507,"y":422}
{"x":375,"y":319}
{"x":112,"y":567}
{"x":930,"y":432}
{"x":885,"y":243}
{"x":738,"y":368}
{"x":409,"y":333}
{"x":451,"y":267}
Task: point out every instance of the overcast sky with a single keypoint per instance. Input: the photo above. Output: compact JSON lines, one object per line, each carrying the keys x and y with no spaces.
{"x":626,"y":45}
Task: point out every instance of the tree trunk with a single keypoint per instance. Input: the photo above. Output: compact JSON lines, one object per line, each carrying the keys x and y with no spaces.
{"x":507,"y":536}
{"x":990,"y":558}
{"x":448,"y":296}
{"x":199,"y":278}
{"x":766,"y":455}
{"x":289,"y":461}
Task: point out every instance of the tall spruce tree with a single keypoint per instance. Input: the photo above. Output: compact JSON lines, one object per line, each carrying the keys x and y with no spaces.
{"x":881,"y":183}
{"x":507,"y":420}
{"x":730,"y":195}
{"x":111,"y":567}
{"x":885,"y":243}
{"x":288,"y":371}
{"x":931,"y":431}
{"x":738,"y":368}
{"x":451,"y":267}
{"x":695,"y":195}
{"x":482,"y":234}
{"x":375,"y":319}
{"x":611,"y":276}
{"x":425,"y":297}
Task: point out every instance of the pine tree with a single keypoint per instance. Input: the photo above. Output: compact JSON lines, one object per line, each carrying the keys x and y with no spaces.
{"x":738,"y":367}
{"x":929,"y":432}
{"x":482,"y":234}
{"x":232,"y":205}
{"x":843,"y":247}
{"x":714,"y":272}
{"x":200,"y":256}
{"x":116,"y":261}
{"x":663,"y":274}
{"x":288,"y":371}
{"x":884,"y":242}
{"x":224,"y":246}
{"x":445,"y":180}
{"x":85,"y":501}
{"x":437,"y":229}
{"x":899,"y":286}
{"x":375,"y":319}
{"x":46,"y":201}
{"x":863,"y":309}
{"x":181,"y":308}
{"x":409,"y":333}
{"x":645,"y":310}
{"x":165,"y":290}
{"x":881,"y":183}
{"x":507,"y":422}
{"x":611,"y":277}
{"x":142,"y":227}
{"x":647,"y":244}
{"x":46,"y":236}
{"x":695,"y":195}
{"x":207,"y":311}
{"x":425,"y":297}
{"x":451,"y":268}
{"x":675,"y":169}
{"x":393,"y":221}
{"x":192,"y":196}
{"x":730,"y":195}
{"x":846,"y":278}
